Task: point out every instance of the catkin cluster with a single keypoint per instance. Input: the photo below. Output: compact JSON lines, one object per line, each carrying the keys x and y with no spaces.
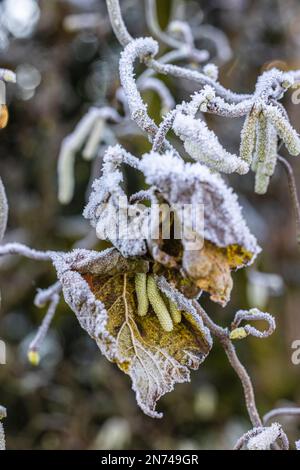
{"x":147,"y":294}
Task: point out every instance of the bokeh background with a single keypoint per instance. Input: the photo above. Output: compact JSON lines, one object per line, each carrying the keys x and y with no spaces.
{"x":75,"y":399}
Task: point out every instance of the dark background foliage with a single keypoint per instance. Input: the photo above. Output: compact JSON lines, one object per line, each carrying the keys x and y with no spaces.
{"x":75,"y":399}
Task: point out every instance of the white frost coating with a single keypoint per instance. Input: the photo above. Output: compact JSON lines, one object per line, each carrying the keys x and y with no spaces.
{"x":109,"y":210}
{"x":203,"y":145}
{"x":187,"y":183}
{"x":141,"y":47}
{"x":265,"y":439}
{"x":88,"y":125}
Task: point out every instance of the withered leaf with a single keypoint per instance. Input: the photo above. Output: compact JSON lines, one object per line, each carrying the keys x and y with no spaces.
{"x":106,"y":306}
{"x":227,"y":242}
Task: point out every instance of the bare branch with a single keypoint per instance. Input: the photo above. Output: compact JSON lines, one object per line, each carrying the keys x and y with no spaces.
{"x":117,"y":22}
{"x":223,"y":336}
{"x":280,"y":412}
{"x":23,"y":250}
{"x":293,"y":193}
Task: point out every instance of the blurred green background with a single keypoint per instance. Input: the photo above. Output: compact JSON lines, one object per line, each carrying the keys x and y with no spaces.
{"x":76,"y":399}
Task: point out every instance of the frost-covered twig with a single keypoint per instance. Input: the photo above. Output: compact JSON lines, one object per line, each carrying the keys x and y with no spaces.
{"x":223,"y":335}
{"x":263,"y":438}
{"x":254,"y":314}
{"x":51,"y":295}
{"x":155,"y":30}
{"x":124,"y":38}
{"x":117,"y":22}
{"x":3,"y":210}
{"x":280,"y":412}
{"x":140,"y":48}
{"x":23,"y":250}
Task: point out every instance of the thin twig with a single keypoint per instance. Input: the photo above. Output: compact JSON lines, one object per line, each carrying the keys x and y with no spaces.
{"x":293,"y":193}
{"x":23,"y":250}
{"x":124,"y":38}
{"x":272,"y":434}
{"x":117,"y":22}
{"x":35,"y":344}
{"x":280,"y":412}
{"x":223,"y":335}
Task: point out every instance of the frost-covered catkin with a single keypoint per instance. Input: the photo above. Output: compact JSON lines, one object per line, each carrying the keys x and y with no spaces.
{"x":141,"y":293}
{"x":248,"y":136}
{"x":94,"y":140}
{"x":158,"y":304}
{"x":262,"y":141}
{"x":175,"y":313}
{"x":203,"y":145}
{"x":265,"y":168}
{"x":285,"y":131}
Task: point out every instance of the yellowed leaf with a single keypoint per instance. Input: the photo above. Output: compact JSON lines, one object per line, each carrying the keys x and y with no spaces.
{"x":154,"y":358}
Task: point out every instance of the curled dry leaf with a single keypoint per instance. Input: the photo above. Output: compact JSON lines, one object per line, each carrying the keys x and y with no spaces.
{"x":100,"y":289}
{"x":223,"y":241}
{"x":227,"y":241}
